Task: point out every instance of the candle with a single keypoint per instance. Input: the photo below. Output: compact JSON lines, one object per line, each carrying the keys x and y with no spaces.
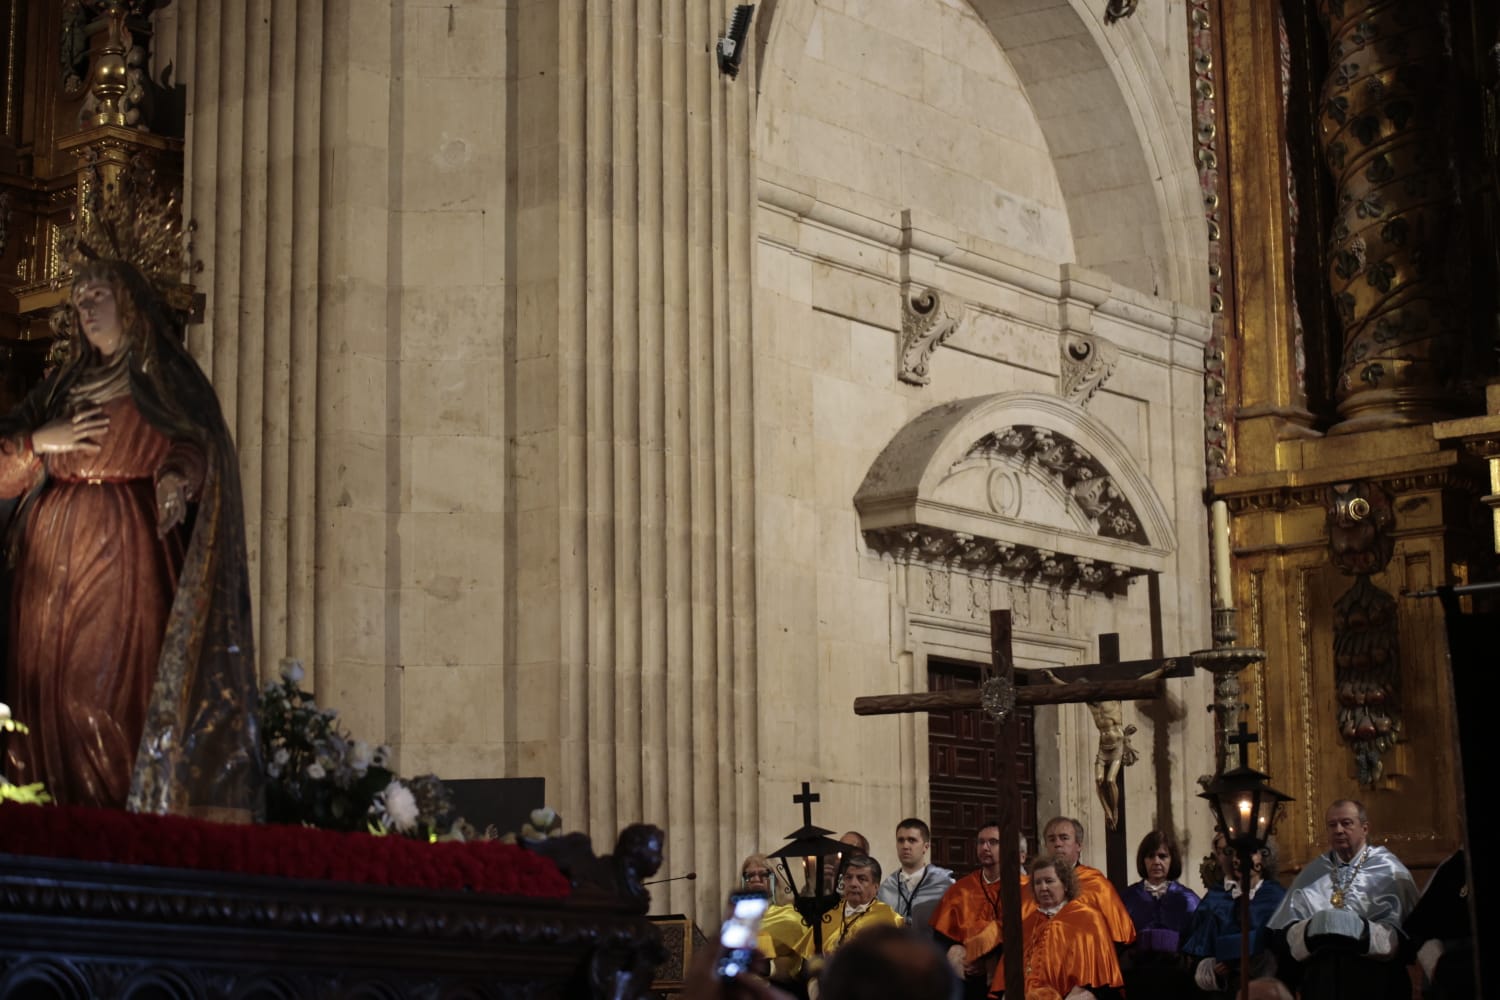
{"x":1223,"y":584}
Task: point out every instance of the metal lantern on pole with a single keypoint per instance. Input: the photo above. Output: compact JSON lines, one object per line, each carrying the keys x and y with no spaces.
{"x":1246,"y":808}
{"x":807,"y":849}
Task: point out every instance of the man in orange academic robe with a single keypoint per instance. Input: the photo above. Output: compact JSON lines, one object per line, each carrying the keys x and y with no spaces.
{"x":967,"y":920}
{"x":1064,"y":839}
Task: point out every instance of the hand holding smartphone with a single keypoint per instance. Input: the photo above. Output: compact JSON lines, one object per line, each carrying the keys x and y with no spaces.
{"x":738,"y":933}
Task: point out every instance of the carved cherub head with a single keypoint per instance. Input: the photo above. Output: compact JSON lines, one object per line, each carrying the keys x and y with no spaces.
{"x":1360,"y":518}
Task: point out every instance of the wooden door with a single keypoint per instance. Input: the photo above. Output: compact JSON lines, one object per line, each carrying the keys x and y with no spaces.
{"x":962,"y":770}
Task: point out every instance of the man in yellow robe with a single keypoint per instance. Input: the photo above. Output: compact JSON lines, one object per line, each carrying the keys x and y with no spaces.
{"x":967,"y":919}
{"x":859,"y":910}
{"x":1064,"y":839}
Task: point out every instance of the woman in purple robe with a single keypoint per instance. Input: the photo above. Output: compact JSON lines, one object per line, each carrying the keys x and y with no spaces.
{"x":1162,"y":908}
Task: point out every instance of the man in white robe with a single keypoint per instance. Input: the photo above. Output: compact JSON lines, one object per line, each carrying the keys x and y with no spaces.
{"x":1339,"y":928}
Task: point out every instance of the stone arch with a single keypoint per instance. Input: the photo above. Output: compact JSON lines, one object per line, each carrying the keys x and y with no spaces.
{"x":1018,"y":485}
{"x":1117,"y":138}
{"x":1121,"y":154}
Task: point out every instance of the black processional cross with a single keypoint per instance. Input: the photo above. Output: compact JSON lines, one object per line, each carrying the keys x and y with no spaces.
{"x":1000,"y":691}
{"x":1243,"y":739}
{"x":806,"y":800}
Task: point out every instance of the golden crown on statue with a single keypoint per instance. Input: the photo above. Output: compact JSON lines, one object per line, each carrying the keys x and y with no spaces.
{"x":129,"y":214}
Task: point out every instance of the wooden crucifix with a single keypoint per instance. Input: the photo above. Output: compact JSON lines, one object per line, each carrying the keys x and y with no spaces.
{"x":998,"y":695}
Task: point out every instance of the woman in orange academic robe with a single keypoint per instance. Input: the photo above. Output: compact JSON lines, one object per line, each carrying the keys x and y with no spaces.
{"x":1069,"y":954}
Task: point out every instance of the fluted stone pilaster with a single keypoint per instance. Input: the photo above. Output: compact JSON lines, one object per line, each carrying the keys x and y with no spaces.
{"x":479,"y":311}
{"x":253,"y":75}
{"x":656,"y":535}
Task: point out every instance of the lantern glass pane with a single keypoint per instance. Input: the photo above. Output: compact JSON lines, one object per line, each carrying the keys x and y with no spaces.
{"x":1264,"y":817}
{"x":1242,"y":820}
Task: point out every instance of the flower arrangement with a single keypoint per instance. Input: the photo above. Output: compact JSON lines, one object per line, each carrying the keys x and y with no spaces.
{"x":543,"y":824}
{"x":317,"y":775}
{"x":33,"y":794}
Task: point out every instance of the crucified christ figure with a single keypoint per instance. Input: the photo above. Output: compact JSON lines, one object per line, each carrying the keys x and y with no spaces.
{"x":1114,"y":752}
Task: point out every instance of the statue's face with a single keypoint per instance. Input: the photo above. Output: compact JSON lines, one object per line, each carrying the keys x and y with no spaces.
{"x":99,"y":315}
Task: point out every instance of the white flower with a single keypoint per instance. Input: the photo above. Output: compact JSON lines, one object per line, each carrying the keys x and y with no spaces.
{"x":543,"y":818}
{"x":360,"y":756}
{"x":382,"y":756}
{"x":281,"y":757}
{"x":400,"y":807}
{"x":4,"y":712}
{"x":315,"y":771}
{"x":291,"y":671}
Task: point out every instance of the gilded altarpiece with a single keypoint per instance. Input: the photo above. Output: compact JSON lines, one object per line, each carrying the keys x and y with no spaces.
{"x":1354,"y":193}
{"x":80,"y":106}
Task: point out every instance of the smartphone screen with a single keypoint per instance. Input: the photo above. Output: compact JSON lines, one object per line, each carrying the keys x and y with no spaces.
{"x":738,"y":933}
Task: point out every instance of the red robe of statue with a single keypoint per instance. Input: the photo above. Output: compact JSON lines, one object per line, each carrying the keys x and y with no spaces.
{"x":93,"y":589}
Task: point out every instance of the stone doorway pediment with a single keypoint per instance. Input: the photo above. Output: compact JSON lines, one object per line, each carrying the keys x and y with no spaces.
{"x":1019,"y":486}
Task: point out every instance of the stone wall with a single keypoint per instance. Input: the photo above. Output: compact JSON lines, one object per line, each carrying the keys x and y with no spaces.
{"x":555,"y":359}
{"x":346,"y":165}
{"x":855,"y":124}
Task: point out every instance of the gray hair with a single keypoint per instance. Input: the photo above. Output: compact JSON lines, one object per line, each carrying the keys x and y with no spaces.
{"x":866,"y":862}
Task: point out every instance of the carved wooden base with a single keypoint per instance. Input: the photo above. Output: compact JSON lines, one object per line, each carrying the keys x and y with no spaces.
{"x":72,"y":929}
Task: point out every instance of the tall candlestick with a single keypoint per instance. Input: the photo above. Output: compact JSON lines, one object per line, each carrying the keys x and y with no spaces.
{"x":1223,"y":585}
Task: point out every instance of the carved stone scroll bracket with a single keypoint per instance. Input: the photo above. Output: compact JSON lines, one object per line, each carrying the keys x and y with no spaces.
{"x":928,"y":318}
{"x":1087,"y":361}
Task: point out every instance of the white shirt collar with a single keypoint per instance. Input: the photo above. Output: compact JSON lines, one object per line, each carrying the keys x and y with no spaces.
{"x":1233,"y":888}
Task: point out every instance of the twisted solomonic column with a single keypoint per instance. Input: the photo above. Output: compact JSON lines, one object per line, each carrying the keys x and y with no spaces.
{"x":1380,"y":125}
